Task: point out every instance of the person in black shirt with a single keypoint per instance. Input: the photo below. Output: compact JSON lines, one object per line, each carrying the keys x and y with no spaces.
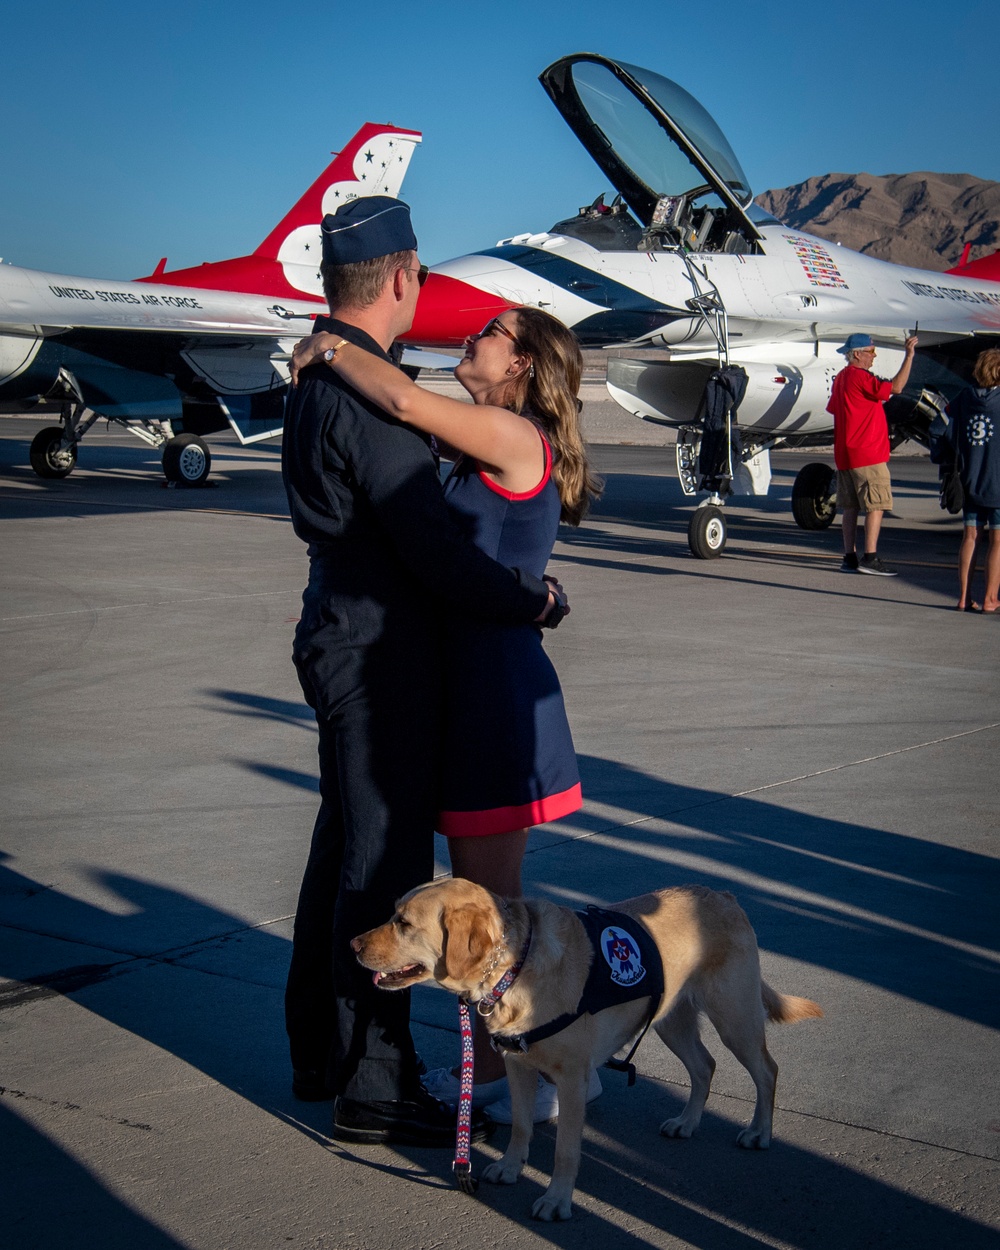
{"x":386,"y":560}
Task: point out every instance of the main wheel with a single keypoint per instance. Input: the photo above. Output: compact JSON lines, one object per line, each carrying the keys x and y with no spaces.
{"x":186,"y":459}
{"x":814,"y":503}
{"x":707,"y":533}
{"x":49,"y":455}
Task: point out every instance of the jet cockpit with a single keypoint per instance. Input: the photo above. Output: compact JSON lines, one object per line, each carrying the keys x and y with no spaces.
{"x":679,"y":183}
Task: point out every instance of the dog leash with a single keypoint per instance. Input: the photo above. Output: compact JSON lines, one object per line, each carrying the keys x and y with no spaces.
{"x":462,"y":1163}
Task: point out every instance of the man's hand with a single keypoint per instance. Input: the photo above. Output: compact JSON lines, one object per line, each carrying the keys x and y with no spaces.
{"x":308,"y":351}
{"x":903,"y":376}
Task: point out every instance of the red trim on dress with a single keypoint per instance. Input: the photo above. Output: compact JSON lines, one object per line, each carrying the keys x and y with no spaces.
{"x":524,"y":494}
{"x":507,"y":819}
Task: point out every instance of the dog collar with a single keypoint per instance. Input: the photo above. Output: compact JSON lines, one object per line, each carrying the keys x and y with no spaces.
{"x":487,"y":1004}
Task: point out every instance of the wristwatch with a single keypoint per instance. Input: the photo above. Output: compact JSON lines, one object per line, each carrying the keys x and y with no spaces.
{"x":558,"y":610}
{"x":330,"y":355}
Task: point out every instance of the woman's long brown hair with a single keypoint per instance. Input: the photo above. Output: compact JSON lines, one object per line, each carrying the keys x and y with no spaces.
{"x":548,"y":392}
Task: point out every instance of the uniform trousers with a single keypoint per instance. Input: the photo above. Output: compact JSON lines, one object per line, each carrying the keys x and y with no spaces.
{"x":379,"y":742}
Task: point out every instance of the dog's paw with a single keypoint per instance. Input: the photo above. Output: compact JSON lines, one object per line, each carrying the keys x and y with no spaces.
{"x":677,"y":1127}
{"x":501,"y":1173}
{"x":552,"y":1208}
{"x":754,"y":1139}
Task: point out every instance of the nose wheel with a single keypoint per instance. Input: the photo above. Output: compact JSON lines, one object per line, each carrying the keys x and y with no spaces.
{"x":707,"y":532}
{"x":186,"y":460}
{"x":51,"y":453}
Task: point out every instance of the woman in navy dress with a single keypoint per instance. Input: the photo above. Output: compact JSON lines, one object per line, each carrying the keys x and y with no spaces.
{"x":508,"y":759}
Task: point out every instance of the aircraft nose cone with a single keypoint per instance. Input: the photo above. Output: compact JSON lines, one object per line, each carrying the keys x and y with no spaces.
{"x":449,"y":310}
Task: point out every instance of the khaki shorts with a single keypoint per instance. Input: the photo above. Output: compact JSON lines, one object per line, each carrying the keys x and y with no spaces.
{"x":866,"y":490}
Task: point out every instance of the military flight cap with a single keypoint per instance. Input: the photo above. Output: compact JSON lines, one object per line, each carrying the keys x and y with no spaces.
{"x":855,"y":342}
{"x":367,"y":227}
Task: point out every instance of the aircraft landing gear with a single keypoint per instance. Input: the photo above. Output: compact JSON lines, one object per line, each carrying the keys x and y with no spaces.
{"x":51,"y":455}
{"x":707,"y":531}
{"x":814,"y":503}
{"x":186,"y":460}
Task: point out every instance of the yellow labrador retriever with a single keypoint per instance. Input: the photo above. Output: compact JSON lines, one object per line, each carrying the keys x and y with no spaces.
{"x":467,"y":939}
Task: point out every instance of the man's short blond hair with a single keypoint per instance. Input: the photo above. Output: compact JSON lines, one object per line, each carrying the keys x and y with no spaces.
{"x":359,"y":285}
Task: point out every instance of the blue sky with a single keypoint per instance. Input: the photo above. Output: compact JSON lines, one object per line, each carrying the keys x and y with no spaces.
{"x":187,"y":130}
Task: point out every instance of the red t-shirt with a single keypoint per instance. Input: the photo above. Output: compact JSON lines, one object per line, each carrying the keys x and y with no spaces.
{"x":860,"y":430}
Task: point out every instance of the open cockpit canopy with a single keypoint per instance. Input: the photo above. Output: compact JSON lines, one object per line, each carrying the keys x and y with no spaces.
{"x":662,"y":151}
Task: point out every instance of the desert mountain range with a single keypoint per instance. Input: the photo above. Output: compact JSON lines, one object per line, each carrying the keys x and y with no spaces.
{"x":919,"y":219}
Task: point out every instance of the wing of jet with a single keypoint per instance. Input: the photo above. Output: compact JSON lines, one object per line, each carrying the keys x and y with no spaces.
{"x":681,"y":257}
{"x":182,"y":354}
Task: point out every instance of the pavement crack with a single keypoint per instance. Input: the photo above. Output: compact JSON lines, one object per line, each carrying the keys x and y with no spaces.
{"x":62,"y":1105}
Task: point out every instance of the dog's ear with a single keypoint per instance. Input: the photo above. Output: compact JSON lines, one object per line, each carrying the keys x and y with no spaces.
{"x":468,"y":940}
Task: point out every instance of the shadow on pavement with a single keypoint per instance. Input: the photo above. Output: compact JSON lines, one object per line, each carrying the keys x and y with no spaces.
{"x":59,"y":1202}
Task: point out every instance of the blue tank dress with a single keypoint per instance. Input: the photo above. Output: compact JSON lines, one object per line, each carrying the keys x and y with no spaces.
{"x":509,"y":761}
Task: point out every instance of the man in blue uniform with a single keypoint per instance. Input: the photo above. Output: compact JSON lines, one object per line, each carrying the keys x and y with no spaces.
{"x":386,"y":560}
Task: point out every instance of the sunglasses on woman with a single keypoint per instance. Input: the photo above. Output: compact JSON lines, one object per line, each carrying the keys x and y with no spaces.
{"x":496,"y":326}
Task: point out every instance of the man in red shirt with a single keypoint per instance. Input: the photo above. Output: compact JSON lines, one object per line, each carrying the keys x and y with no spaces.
{"x":861,"y":448}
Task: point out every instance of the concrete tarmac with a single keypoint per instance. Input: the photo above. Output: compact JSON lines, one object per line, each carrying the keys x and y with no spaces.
{"x":822,"y":745}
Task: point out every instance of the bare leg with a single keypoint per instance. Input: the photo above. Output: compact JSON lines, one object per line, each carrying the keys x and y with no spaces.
{"x":991,"y":600}
{"x":873,"y":523}
{"x":849,"y":527}
{"x":967,"y":565}
{"x":494,"y":862}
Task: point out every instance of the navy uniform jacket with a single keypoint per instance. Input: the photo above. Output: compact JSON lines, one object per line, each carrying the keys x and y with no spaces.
{"x":386,"y":553}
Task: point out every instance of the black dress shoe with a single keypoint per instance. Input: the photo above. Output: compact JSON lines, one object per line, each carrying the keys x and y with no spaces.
{"x":417,"y":1121}
{"x":311,"y":1085}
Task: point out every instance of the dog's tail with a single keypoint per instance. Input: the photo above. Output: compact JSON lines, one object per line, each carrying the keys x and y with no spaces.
{"x":786,"y":1008}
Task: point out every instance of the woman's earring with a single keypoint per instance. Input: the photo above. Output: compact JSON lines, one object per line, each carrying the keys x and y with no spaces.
{"x":531,"y":371}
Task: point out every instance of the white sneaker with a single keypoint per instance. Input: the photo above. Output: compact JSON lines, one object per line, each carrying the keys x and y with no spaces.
{"x":445,"y":1086}
{"x":546,"y":1101}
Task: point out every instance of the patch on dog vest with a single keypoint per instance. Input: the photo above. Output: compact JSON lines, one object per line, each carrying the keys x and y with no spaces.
{"x":626,"y":963}
{"x":622,"y":953}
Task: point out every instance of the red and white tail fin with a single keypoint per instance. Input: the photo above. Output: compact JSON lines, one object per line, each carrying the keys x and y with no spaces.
{"x":987,"y":268}
{"x":286,"y":264}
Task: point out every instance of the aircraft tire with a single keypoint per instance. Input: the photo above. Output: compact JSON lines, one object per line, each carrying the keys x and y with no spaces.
{"x":707,"y":533}
{"x":49,"y":456}
{"x":186,"y":460}
{"x":814,"y":502}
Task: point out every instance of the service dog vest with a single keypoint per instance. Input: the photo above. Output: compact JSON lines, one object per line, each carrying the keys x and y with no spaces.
{"x":626,"y":966}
